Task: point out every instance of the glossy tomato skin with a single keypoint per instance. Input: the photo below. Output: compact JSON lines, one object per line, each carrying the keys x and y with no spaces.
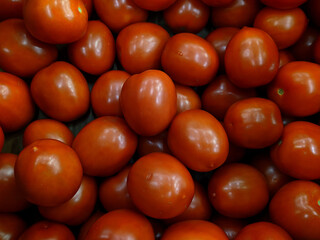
{"x":105,"y":93}
{"x":296,"y":153}
{"x":257,"y":58}
{"x":284,"y":26}
{"x":1,"y":138}
{"x":20,"y":53}
{"x":283,"y":4}
{"x":155,"y":5}
{"x":187,"y":99}
{"x":198,"y":140}
{"x":54,"y":172}
{"x":139,"y":46}
{"x":160,"y":186}
{"x":187,"y":16}
{"x":94,"y":53}
{"x":117,"y":14}
{"x":194,"y":229}
{"x":217,"y":3}
{"x":253,"y":123}
{"x":105,"y":145}
{"x":56,"y":22}
{"x":238,"y":190}
{"x":77,"y":209}
{"x":189,"y":60}
{"x":295,"y":208}
{"x":220,"y":94}
{"x":11,"y":226}
{"x":231,"y":226}
{"x":295,"y":89}
{"x":47,"y":129}
{"x":46,"y":230}
{"x":157,"y":143}
{"x":154,"y":97}
{"x":16,"y":102}
{"x":121,"y":224}
{"x":61,"y":91}
{"x":262,"y":231}
{"x":11,"y":9}
{"x":285,"y":57}
{"x":12,"y":199}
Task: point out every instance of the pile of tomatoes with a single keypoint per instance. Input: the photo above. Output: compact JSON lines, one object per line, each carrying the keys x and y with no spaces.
{"x":160,"y":119}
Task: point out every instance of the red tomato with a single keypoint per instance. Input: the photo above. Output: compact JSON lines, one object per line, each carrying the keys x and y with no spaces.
{"x":189,"y":59}
{"x":317,"y":50}
{"x":157,"y":143}
{"x":231,"y":226}
{"x":296,"y":208}
{"x":15,"y":102}
{"x":256,"y":55}
{"x":154,"y":5}
{"x":283,"y":4}
{"x":11,"y":226}
{"x":153,"y":95}
{"x":1,"y":138}
{"x":313,"y":7}
{"x":121,"y":224}
{"x":117,"y":14}
{"x":48,"y":172}
{"x":56,"y":22}
{"x":88,"y":6}
{"x":198,"y":140}
{"x":160,"y":186}
{"x":105,"y":93}
{"x":87,"y":225}
{"x":77,"y":209}
{"x":10,"y":9}
{"x":105,"y":145}
{"x":94,"y":53}
{"x":11,"y":199}
{"x":285,"y":57}
{"x":220,"y":94}
{"x":45,"y":230}
{"x":139,"y":46}
{"x":238,"y":190}
{"x":187,"y":16}
{"x":47,"y":129}
{"x":194,"y":229}
{"x":187,"y":99}
{"x":61,"y":91}
{"x":296,"y":89}
{"x":217,"y":3}
{"x":262,"y":231}
{"x":20,"y":53}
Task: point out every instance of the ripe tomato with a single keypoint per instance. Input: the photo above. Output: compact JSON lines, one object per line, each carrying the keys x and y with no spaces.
{"x":87,"y":225}
{"x":56,"y":22}
{"x":61,"y":91}
{"x":285,"y":57}
{"x":139,"y":46}
{"x":154,"y":5}
{"x":231,"y":226}
{"x":217,"y":3}
{"x":1,"y":138}
{"x":15,"y":102}
{"x":11,"y":226}
{"x":48,"y":172}
{"x":157,"y":143}
{"x":257,"y":58}
{"x":153,"y":95}
{"x":11,"y":9}
{"x":160,"y":186}
{"x":187,"y":99}
{"x":20,"y":53}
{"x":296,"y":208}
{"x":198,"y":140}
{"x":283,"y":4}
{"x":47,"y":129}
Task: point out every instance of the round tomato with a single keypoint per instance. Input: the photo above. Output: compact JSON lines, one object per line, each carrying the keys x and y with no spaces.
{"x":11,"y":226}
{"x":157,"y":143}
{"x":154,"y":5}
{"x":283,"y":4}
{"x":187,"y":99}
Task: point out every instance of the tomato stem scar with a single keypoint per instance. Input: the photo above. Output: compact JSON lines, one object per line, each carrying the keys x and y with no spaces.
{"x":280,"y":91}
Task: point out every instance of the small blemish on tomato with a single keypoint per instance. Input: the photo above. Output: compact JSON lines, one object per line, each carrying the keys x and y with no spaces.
{"x":34,"y":149}
{"x":80,"y":9}
{"x":280,"y":91}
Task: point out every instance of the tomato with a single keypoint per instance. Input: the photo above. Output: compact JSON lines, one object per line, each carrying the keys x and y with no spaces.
{"x":77,"y":209}
{"x":105,"y":145}
{"x":139,"y":46}
{"x":88,"y":6}
{"x":15,"y":102}
{"x":113,"y":192}
{"x":189,"y":59}
{"x":283,"y":4}
{"x":198,"y":140}
{"x":285,"y":57}
{"x":154,"y":5}
{"x":257,"y":58}
{"x":20,"y":53}
{"x":45,"y":230}
{"x":11,"y":226}
{"x":220,"y":94}
{"x":11,"y":9}
{"x":284,"y":26}
{"x":47,"y":129}
{"x":238,"y":190}
{"x":121,"y":224}
{"x":157,"y":143}
{"x":105,"y":93}
{"x":239,"y":13}
{"x":296,"y":208}
{"x":87,"y":225}
{"x":313,"y":7}
{"x":160,"y":186}
{"x":296,"y":89}
{"x":56,"y":22}
{"x":187,"y":16}
{"x":217,"y":3}
{"x":262,"y":231}
{"x":11,"y":199}
{"x":317,"y":50}
{"x":48,"y":172}
{"x":231,"y":226}
{"x":117,"y":14}
{"x":1,"y":138}
{"x":154,"y":97}
{"x":61,"y":91}
{"x":187,"y":99}
{"x":194,"y":229}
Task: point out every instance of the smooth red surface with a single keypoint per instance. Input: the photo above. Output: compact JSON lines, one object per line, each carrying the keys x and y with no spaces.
{"x":11,"y":9}
{"x":85,"y":227}
{"x":11,"y":226}
{"x":157,"y":143}
{"x":187,"y":99}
